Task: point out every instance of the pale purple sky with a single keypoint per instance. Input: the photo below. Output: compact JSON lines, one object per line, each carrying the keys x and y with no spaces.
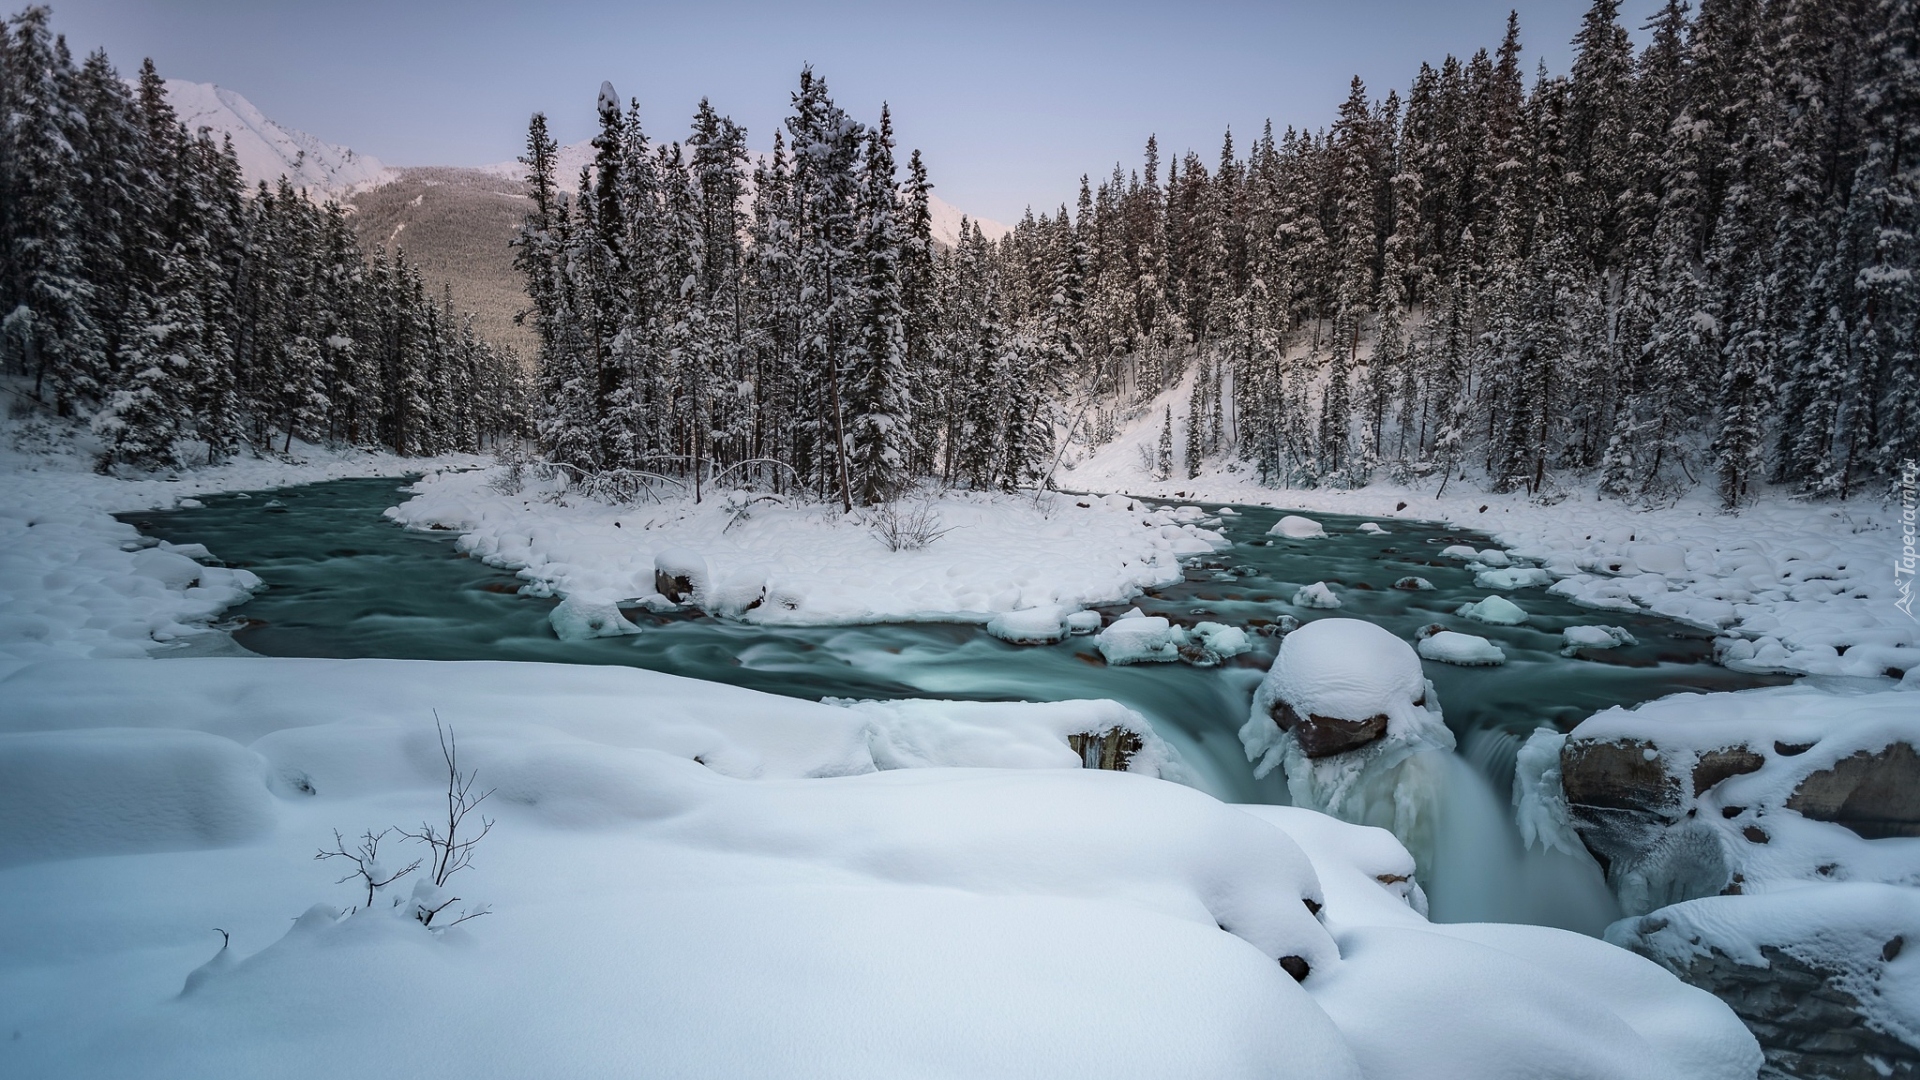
{"x":1010,"y":102}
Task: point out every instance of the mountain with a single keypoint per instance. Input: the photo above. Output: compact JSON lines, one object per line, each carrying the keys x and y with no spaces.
{"x":574,"y":157}
{"x":268,"y":150}
{"x":453,"y":223}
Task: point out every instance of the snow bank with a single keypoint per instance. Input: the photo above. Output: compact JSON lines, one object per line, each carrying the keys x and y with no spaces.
{"x":113,"y":791}
{"x":804,"y":565}
{"x":763,"y":926}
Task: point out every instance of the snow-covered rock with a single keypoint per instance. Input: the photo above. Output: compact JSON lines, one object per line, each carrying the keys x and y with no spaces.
{"x":1594,"y":637}
{"x":1516,"y":578}
{"x":918,"y":734}
{"x":1467,"y":650}
{"x":1371,"y":528}
{"x":1143,"y":639}
{"x":1294,"y":527}
{"x":1032,"y":626}
{"x":1316,"y":595}
{"x":1084,"y":622}
{"x":1494,"y":611}
{"x":577,"y":619}
{"x":1413,"y":583}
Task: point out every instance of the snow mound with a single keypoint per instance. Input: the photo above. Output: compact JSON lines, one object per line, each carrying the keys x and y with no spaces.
{"x":576,"y":619}
{"x":1032,"y":626}
{"x":1371,"y":528}
{"x":1084,"y":622}
{"x":1494,"y":611}
{"x":1298,"y":528}
{"x":1467,"y":650}
{"x":113,"y":791}
{"x":1316,"y":595}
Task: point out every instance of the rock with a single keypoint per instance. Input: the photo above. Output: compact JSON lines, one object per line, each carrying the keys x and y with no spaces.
{"x":1112,"y":749}
{"x":1323,"y":736}
{"x":1624,"y":775}
{"x":1296,"y":967}
{"x":1717,"y":765}
{"x":1413,"y":584}
{"x":1875,"y":794}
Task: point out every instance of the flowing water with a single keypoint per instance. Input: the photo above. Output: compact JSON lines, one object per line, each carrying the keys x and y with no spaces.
{"x":342,"y":581}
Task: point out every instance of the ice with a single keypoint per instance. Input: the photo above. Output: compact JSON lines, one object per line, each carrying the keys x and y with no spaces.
{"x":1032,"y":626}
{"x":1495,"y":611}
{"x":576,"y":619}
{"x":1316,"y":595}
{"x":1143,"y":639}
{"x":1540,"y":806}
{"x":1298,"y":528}
{"x":1467,"y":650}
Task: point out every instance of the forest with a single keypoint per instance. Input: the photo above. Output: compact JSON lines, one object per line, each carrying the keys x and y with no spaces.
{"x":146,"y":290}
{"x":1682,"y":264}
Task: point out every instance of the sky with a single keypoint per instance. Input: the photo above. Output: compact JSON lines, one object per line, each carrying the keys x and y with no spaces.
{"x":1009,"y":102}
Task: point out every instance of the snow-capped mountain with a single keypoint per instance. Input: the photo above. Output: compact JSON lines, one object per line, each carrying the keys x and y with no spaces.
{"x":574,"y":157}
{"x":268,"y":150}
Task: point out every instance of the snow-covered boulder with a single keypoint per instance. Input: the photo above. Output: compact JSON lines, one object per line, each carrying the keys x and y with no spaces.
{"x":1466,"y":650}
{"x":1031,"y":626}
{"x":1316,"y":595}
{"x":1142,"y":639}
{"x":1494,"y":611}
{"x":1574,"y":638}
{"x":1824,"y":975}
{"x":1339,"y":684}
{"x":1294,"y":527}
{"x":1208,"y":643}
{"x":681,"y":575}
{"x":1371,"y":528}
{"x":580,"y":619}
{"x":1412,"y":583}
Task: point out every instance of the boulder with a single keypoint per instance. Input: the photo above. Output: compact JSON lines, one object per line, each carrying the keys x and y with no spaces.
{"x":1875,"y":794}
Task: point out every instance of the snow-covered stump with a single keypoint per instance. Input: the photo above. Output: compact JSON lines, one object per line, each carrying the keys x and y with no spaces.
{"x":1350,"y":715}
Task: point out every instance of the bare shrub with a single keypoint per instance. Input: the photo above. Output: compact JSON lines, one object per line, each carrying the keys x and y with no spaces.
{"x":907,"y":529}
{"x":365,"y":858}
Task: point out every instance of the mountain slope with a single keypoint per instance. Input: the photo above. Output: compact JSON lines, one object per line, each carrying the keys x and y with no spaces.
{"x":268,"y":150}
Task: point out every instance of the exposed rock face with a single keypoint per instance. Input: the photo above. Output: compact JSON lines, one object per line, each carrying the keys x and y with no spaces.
{"x":1324,"y":736}
{"x":1628,"y":803}
{"x":1717,"y":765}
{"x":1808,"y":1027}
{"x":1112,"y":749}
{"x":1875,"y":794}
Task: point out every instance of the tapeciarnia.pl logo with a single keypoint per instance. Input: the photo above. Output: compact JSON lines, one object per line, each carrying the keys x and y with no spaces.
{"x":1903,"y":567}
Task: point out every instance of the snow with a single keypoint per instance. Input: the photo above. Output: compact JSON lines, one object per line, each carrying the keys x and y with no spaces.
{"x":267,"y":150}
{"x":918,"y":734}
{"x":1298,"y":528}
{"x":1494,"y":611}
{"x":1517,"y":578}
{"x":1371,"y":528}
{"x":1790,"y":585}
{"x":723,"y":878}
{"x":814,"y":565}
{"x":1316,"y":595}
{"x":1468,"y":650}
